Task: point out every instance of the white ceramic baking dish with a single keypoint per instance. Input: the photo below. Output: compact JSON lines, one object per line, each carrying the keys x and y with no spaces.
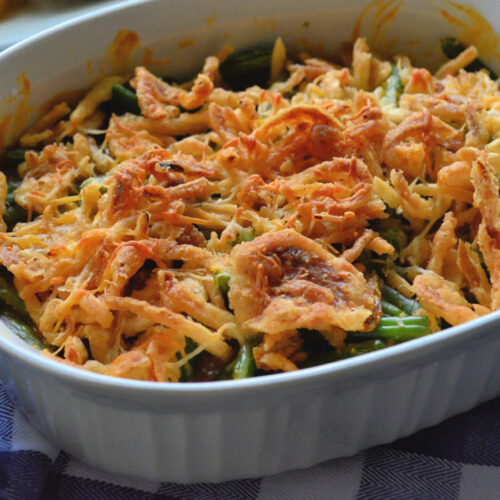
{"x":225,"y":430}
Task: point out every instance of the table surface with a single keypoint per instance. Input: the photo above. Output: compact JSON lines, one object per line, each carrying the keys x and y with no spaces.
{"x":458,"y":459}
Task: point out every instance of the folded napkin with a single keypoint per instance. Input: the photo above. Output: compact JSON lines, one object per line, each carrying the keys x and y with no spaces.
{"x":458,"y":459}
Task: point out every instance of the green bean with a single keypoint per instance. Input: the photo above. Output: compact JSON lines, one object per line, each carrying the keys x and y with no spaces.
{"x":245,"y":363}
{"x":409,"y":306}
{"x":24,"y":331}
{"x":452,"y":48}
{"x":247,"y":67}
{"x":481,"y":256}
{"x":13,"y":212}
{"x":391,"y":309}
{"x":393,"y":87}
{"x":404,"y":321}
{"x":227,"y":372}
{"x":187,"y":370}
{"x":245,"y":234}
{"x":10,"y":298}
{"x":356,"y":349}
{"x":395,"y":333}
{"x":396,"y":237}
{"x":98,"y":179}
{"x":396,"y":329}
{"x":411,"y":272}
{"x":125,"y":99}
{"x":15,"y":157}
{"x":11,"y":187}
{"x":349,"y":351}
{"x":221,"y":280}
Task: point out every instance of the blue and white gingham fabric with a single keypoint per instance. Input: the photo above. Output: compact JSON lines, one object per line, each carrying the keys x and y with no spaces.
{"x":458,"y":459}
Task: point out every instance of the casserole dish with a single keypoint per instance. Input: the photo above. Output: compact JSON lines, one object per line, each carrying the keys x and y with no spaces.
{"x":226,"y":430}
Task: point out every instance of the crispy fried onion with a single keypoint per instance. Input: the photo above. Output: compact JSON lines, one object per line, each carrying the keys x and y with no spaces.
{"x":450,"y":109}
{"x":469,"y":263}
{"x":486,"y":187}
{"x":290,"y":141}
{"x":371,"y":240}
{"x":282,"y":351}
{"x":50,"y":175}
{"x":159,"y":100}
{"x":444,"y":299}
{"x":283,"y":281}
{"x":166,"y":317}
{"x":332,"y":200}
{"x":408,"y":146}
{"x":444,"y":240}
{"x":155,"y":359}
{"x":176,"y":179}
{"x":3,"y":198}
{"x":129,"y":135}
{"x":454,"y":179}
{"x":80,"y":294}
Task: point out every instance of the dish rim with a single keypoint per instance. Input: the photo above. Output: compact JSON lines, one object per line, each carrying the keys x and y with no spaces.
{"x":99,"y":11}
{"x":388,"y":357}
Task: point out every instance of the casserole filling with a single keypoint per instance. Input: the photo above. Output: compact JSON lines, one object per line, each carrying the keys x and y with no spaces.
{"x":268,"y":215}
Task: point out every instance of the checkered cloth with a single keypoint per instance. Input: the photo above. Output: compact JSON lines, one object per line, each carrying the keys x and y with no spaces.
{"x":459,"y":459}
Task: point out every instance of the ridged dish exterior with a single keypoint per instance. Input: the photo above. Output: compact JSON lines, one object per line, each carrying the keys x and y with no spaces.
{"x":255,"y":430}
{"x":227,"y":430}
